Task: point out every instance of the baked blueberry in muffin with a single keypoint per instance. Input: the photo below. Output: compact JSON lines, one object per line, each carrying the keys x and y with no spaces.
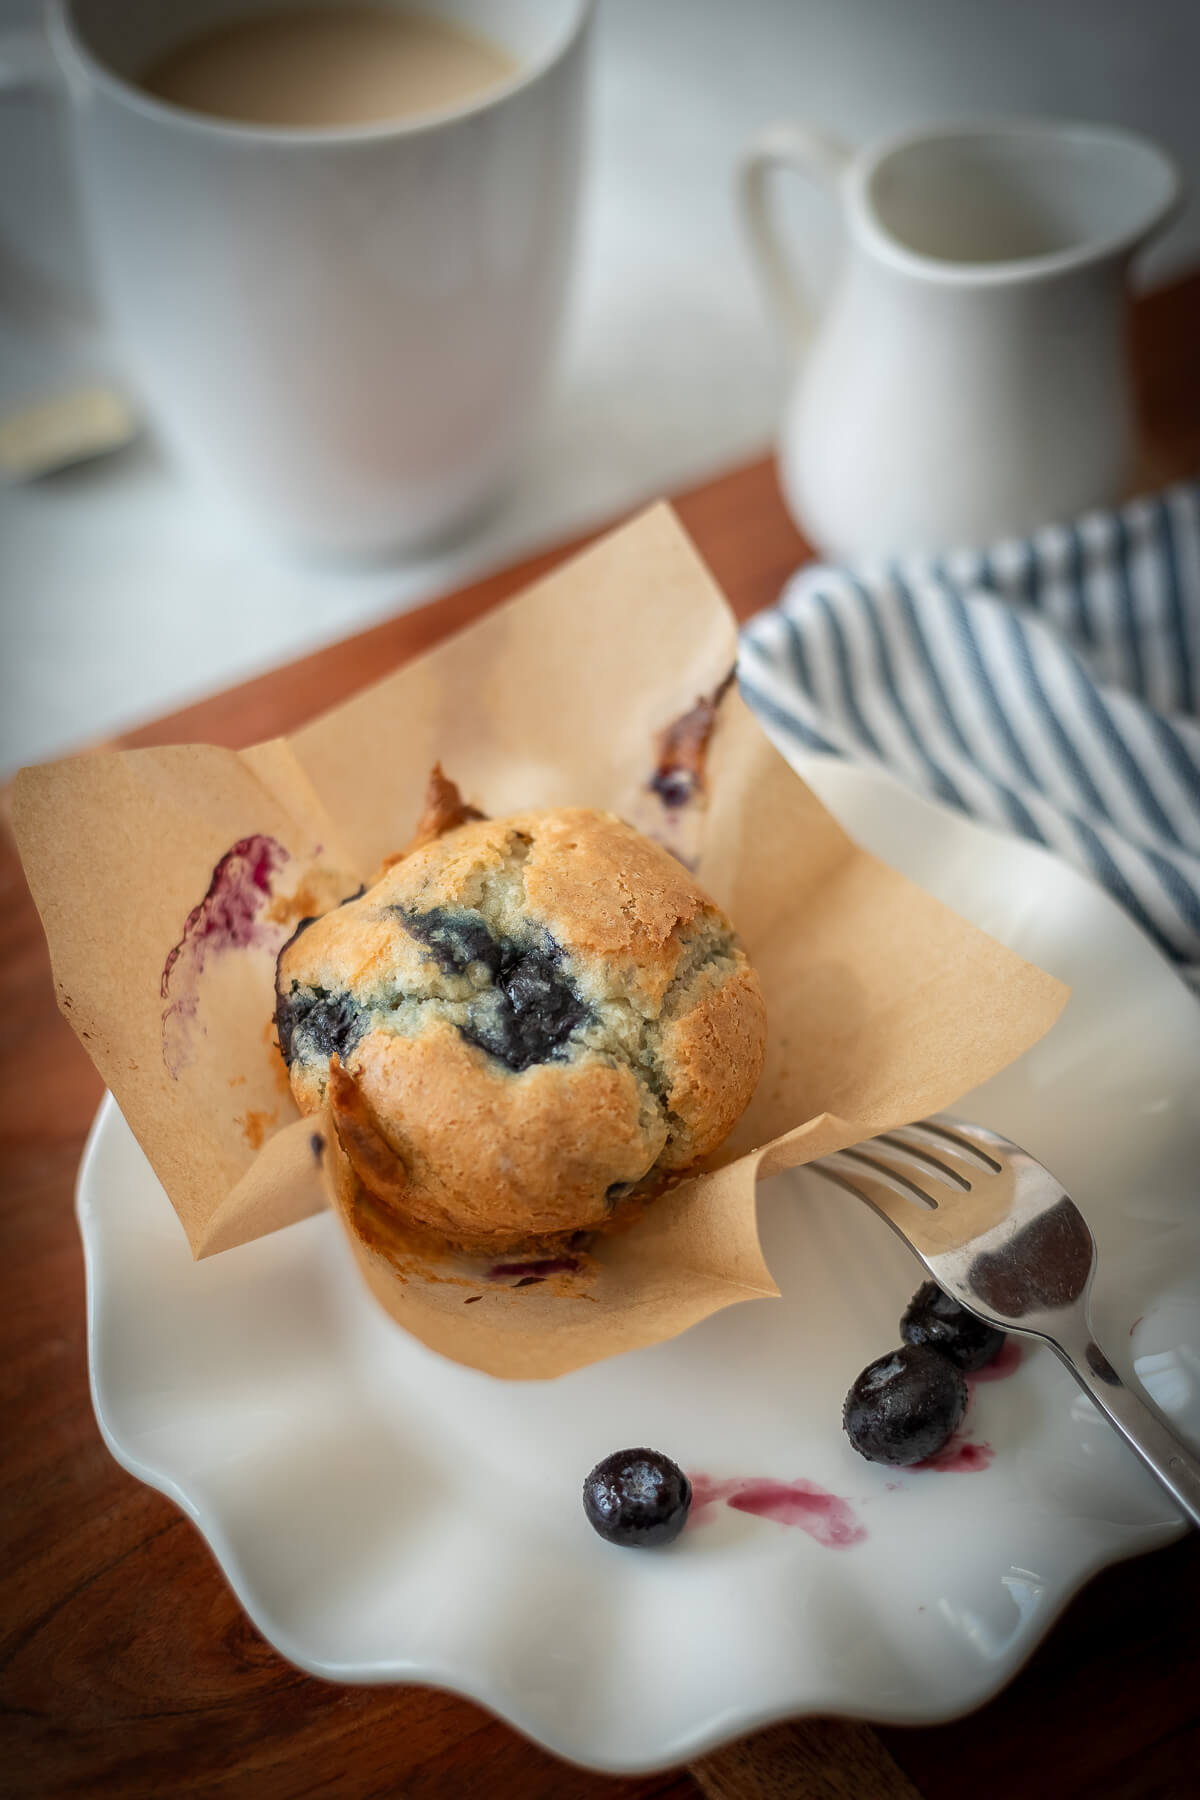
{"x":520,"y":1023}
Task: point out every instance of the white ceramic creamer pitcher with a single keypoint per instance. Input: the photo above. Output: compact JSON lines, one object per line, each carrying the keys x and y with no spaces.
{"x":968,"y":379}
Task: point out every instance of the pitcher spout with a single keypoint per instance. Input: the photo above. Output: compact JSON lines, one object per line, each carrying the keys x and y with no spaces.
{"x":1012,"y":200}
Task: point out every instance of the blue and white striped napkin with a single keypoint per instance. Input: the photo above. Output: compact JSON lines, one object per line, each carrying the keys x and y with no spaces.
{"x":1050,"y":686}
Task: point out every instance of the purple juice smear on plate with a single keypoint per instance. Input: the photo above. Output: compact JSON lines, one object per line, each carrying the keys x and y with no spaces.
{"x":1006,"y":1362}
{"x":826,"y":1518}
{"x":959,"y":1457}
{"x":707,"y":1493}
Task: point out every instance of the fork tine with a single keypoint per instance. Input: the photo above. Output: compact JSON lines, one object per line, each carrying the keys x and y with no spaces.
{"x":879,"y":1167}
{"x":936,"y":1168}
{"x":952,"y":1138}
{"x":859,"y":1184}
{"x":928,"y":1230}
{"x":916,"y":1224}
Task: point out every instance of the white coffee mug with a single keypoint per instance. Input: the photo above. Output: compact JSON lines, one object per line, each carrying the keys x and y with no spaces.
{"x":346,"y":330}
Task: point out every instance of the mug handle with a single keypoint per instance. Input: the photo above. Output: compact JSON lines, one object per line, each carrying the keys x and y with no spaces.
{"x":28,"y":70}
{"x":813,"y":153}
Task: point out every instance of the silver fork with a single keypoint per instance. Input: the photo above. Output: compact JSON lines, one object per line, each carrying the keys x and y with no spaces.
{"x":998,"y":1234}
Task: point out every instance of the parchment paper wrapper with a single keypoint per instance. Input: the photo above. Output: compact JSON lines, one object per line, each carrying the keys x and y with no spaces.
{"x":882,"y":1005}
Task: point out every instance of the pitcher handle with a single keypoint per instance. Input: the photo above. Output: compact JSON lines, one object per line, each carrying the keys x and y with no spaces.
{"x":784,"y":146}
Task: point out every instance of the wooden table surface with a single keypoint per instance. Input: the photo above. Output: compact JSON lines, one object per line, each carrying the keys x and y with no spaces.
{"x":126,"y":1666}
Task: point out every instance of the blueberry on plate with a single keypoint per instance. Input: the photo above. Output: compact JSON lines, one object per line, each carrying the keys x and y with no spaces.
{"x":904,"y":1406}
{"x":637,"y":1498}
{"x":934,"y":1321}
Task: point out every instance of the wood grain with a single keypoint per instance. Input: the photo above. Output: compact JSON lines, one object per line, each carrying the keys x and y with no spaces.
{"x":820,"y":1759}
{"x":126,"y":1667}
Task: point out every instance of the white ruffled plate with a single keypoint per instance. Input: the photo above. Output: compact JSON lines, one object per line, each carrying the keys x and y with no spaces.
{"x":384,"y":1515}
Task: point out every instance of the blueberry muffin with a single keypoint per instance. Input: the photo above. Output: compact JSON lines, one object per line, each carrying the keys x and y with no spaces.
{"x":521,"y":1023}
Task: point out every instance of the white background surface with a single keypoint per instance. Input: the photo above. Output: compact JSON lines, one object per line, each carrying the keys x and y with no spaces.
{"x":121,"y":595}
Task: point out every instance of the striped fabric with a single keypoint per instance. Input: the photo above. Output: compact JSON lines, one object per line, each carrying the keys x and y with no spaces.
{"x":1050,"y":686}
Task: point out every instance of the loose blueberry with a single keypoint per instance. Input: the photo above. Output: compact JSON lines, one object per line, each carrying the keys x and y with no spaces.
{"x":934,"y":1321}
{"x":904,"y":1406}
{"x":637,"y":1498}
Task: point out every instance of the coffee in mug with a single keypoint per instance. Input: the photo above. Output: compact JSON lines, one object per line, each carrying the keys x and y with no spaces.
{"x":317,"y":66}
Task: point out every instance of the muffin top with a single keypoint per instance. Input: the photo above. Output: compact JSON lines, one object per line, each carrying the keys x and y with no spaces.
{"x":523,"y":1020}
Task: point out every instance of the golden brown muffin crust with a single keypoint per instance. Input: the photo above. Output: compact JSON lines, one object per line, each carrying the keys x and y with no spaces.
{"x":531,"y":1015}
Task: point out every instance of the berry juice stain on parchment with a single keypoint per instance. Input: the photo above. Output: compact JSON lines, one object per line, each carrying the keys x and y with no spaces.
{"x":826,"y":1518}
{"x":226,"y":919}
{"x":679,"y":772}
{"x":670,"y":808}
{"x":537,"y":1270}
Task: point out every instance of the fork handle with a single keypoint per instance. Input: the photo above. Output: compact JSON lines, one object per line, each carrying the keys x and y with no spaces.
{"x":1139,"y":1423}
